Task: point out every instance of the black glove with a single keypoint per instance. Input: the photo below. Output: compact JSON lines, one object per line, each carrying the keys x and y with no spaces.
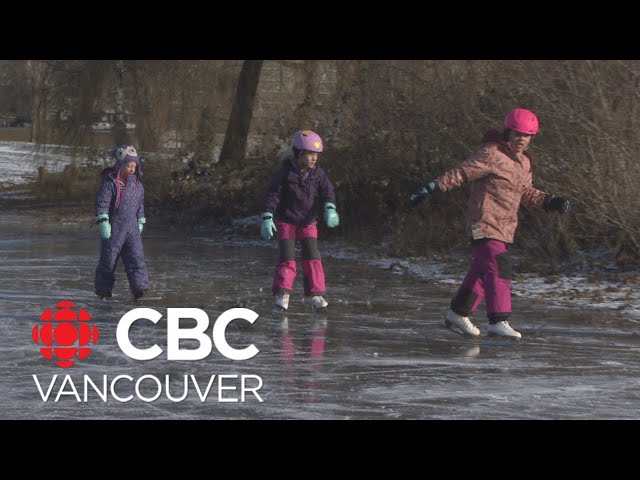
{"x":418,"y":196}
{"x":556,"y":204}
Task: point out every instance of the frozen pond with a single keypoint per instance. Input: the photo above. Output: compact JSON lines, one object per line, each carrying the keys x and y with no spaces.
{"x":380,"y":353}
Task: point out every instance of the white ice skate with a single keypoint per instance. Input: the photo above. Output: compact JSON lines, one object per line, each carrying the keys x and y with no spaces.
{"x":460,"y":324}
{"x":318,"y":304}
{"x":282,"y":304}
{"x":503,"y":329}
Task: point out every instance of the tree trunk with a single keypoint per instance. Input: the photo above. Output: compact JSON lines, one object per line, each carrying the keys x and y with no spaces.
{"x":38,"y":72}
{"x":89,"y":97}
{"x":119,"y":127}
{"x":306,"y":111}
{"x":235,"y":140}
{"x":205,"y":137}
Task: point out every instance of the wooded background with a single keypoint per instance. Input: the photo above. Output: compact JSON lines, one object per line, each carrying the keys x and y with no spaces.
{"x":212,"y":132}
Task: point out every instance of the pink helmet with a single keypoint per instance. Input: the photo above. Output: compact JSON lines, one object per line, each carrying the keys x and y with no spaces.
{"x":523,"y":121}
{"x":307,"y":140}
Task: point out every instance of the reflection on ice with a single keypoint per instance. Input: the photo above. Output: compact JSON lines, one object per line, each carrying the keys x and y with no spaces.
{"x":302,"y":351}
{"x":371,"y":356}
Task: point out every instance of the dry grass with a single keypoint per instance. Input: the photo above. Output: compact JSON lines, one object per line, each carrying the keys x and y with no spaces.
{"x":72,"y":183}
{"x":15,"y":134}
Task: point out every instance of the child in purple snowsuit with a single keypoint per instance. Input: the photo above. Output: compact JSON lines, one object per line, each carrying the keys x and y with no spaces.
{"x":290,"y":198}
{"x":120,"y":218}
{"x":500,"y":174}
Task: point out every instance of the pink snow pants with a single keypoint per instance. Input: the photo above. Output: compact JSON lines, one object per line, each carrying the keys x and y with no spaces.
{"x":490,"y":278}
{"x":285,"y":272}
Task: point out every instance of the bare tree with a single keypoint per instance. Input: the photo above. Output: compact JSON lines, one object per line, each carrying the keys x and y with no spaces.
{"x":40,"y":74}
{"x":147,"y":82}
{"x":205,"y":137}
{"x":54,"y":86}
{"x":306,"y":111}
{"x":235,"y":142}
{"x":119,"y":127}
{"x":405,"y":120}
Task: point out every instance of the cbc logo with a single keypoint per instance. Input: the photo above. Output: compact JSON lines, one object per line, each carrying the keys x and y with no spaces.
{"x":65,"y":334}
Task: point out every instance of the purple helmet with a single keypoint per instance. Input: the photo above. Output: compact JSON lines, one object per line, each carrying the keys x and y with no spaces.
{"x":307,"y":140}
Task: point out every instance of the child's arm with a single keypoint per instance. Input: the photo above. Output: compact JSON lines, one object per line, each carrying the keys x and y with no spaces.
{"x":141,"y":219}
{"x":537,"y":198}
{"x":477,"y":166}
{"x":270,"y":203}
{"x":103,"y":202}
{"x":326,"y":190}
{"x":328,"y":197}
{"x":104,"y":197}
{"x":533,"y":197}
{"x":274,"y":190}
{"x":480,"y":164}
{"x":141,"y":208}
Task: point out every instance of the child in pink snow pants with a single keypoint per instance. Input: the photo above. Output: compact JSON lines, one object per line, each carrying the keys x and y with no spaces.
{"x":290,"y":200}
{"x":500,"y":174}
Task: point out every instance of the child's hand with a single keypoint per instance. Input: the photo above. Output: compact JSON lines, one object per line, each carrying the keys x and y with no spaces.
{"x":331,"y":217}
{"x":104,"y":227}
{"x":141,"y":222}
{"x":556,"y":204}
{"x":268,"y":228}
{"x":421,"y":194}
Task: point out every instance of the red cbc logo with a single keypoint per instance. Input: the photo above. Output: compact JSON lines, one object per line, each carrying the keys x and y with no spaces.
{"x":65,"y":334}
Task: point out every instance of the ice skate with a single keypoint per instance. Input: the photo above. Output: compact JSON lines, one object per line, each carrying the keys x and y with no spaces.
{"x":318,"y":304}
{"x":104,"y":294}
{"x":281,"y":304}
{"x":138,"y":294}
{"x":503,"y":329}
{"x":460,"y":324}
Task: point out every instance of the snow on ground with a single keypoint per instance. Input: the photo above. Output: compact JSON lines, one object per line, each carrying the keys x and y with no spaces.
{"x":560,"y":290}
{"x":19,"y":162}
{"x":588,"y":288}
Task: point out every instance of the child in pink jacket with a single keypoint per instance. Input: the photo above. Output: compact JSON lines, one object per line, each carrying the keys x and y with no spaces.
{"x":501,"y":179}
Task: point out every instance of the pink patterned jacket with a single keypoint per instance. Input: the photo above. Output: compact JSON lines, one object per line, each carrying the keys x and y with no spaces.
{"x":500,"y":181}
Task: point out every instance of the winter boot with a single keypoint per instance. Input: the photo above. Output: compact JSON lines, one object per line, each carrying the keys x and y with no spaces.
{"x":503,"y":329}
{"x":140,"y":293}
{"x":460,"y":324}
{"x":318,"y":304}
{"x":282,"y":303}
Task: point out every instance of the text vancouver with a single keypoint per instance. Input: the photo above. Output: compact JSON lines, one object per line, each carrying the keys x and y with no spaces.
{"x":149,"y":388}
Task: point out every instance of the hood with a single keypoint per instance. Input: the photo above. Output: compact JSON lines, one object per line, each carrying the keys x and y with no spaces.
{"x":107,"y":171}
{"x":492,"y":135}
{"x":124,"y":161}
{"x":125,"y":154}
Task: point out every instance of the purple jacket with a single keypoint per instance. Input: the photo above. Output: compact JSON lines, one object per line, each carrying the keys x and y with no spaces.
{"x":109,"y":197}
{"x":292,"y":198}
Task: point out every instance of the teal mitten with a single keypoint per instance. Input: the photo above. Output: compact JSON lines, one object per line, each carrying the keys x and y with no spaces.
{"x":104,"y":227}
{"x":268,"y":228}
{"x":331,"y":217}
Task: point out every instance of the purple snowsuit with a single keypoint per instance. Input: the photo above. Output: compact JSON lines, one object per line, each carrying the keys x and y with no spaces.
{"x":124,"y":206}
